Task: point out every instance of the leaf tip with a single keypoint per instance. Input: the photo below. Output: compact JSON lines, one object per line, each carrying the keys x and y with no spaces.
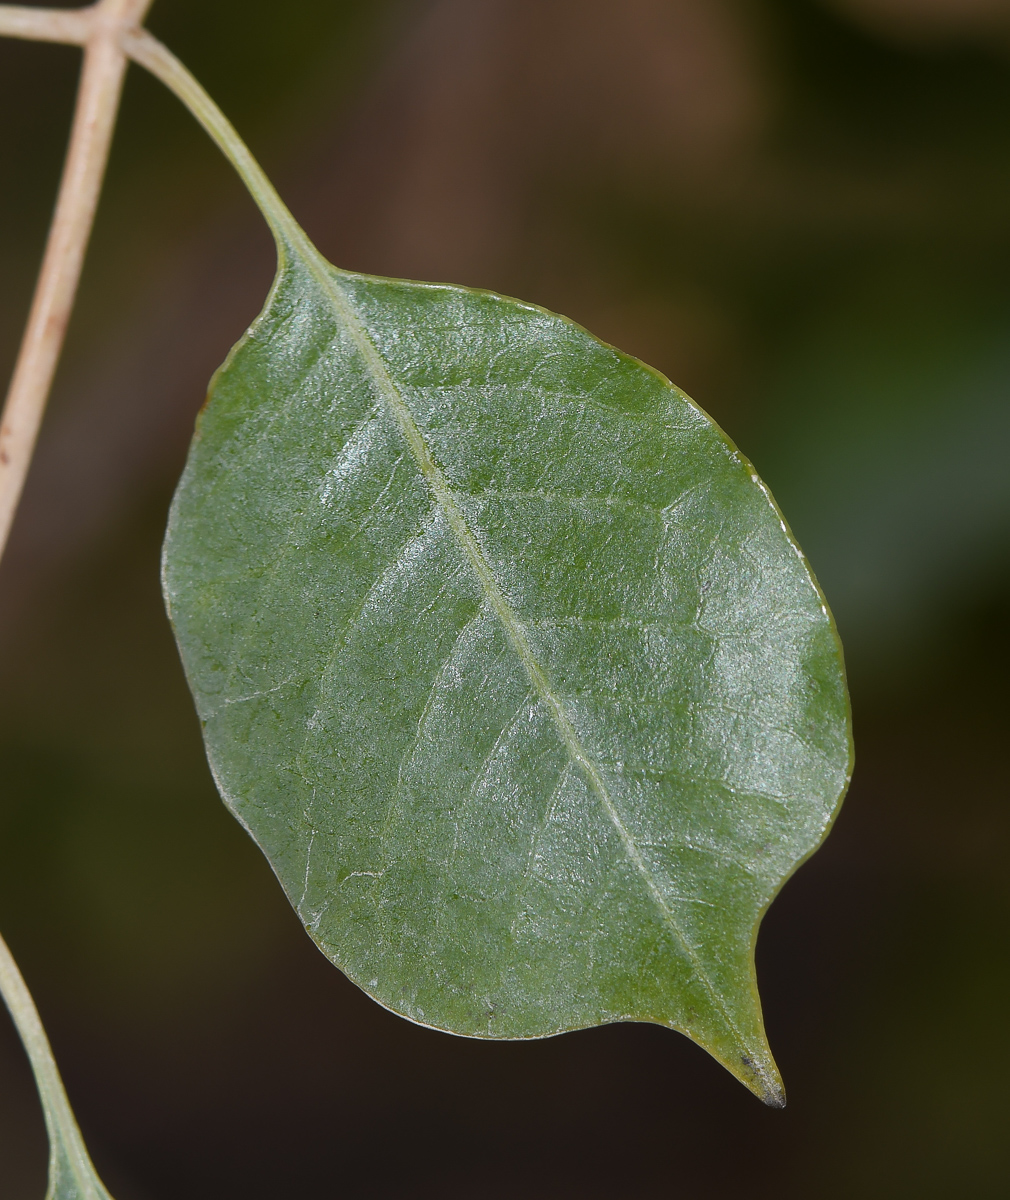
{"x":762,"y":1078}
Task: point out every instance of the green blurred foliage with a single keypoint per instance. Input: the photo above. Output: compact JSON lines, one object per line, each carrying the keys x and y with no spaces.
{"x":833,"y":286}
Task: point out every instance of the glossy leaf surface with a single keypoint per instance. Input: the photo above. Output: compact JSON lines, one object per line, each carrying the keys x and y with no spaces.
{"x":507,"y":661}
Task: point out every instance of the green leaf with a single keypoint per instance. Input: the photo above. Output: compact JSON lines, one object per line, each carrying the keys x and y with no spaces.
{"x":72,"y":1175}
{"x":507,"y":660}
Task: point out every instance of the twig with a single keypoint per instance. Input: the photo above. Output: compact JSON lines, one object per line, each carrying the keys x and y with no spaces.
{"x":101,"y":29}
{"x":46,"y":24}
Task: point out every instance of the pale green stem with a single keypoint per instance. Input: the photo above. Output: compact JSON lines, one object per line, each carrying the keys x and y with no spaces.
{"x":161,"y":62}
{"x":60,"y":1124}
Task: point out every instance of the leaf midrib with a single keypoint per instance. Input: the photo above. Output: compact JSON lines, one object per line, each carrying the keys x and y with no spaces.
{"x":443,"y":495}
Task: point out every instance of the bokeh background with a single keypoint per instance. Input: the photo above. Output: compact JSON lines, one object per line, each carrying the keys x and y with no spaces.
{"x":799,"y":210}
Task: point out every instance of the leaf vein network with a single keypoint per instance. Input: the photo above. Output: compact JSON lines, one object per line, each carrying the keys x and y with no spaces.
{"x":445,"y":499}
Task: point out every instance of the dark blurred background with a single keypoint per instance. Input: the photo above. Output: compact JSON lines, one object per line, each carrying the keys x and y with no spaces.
{"x":797,"y":209}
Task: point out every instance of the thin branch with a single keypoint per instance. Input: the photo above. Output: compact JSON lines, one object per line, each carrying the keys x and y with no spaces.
{"x":100,"y":30}
{"x":46,"y":24}
{"x":94,"y":119}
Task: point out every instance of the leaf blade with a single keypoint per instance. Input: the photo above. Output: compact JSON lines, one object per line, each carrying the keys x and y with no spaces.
{"x":513,"y":564}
